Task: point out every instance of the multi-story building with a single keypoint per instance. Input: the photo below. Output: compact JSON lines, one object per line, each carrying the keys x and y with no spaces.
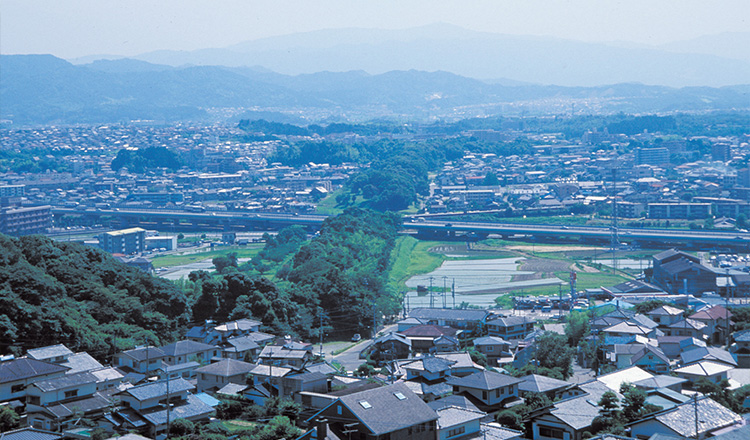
{"x":124,"y":241}
{"x":24,"y":221}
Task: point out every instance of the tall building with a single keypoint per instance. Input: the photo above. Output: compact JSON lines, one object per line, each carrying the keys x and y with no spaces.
{"x":24,"y":221}
{"x":124,"y":241}
{"x":651,"y":156}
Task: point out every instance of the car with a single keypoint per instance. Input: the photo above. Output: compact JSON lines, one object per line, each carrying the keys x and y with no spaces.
{"x":357,"y":337}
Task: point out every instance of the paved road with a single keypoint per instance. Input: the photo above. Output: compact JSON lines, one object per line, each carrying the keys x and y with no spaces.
{"x":350,"y":358}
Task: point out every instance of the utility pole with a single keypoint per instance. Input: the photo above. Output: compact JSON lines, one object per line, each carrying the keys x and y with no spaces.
{"x":320,"y":310}
{"x":445,"y":290}
{"x":168,"y":407}
{"x":615,"y":237}
{"x":453,"y":289}
{"x":432,"y":298}
{"x":695,"y":408}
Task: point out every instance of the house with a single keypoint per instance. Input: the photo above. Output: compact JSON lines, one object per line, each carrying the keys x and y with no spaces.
{"x":680,"y":421}
{"x":461,"y":363}
{"x":490,"y":389}
{"x":570,"y":418}
{"x":147,"y":408}
{"x":55,"y":354}
{"x":622,"y":354}
{"x":629,"y":328}
{"x":408,"y":323}
{"x":57,"y":389}
{"x":391,"y":346}
{"x":218,"y":374}
{"x":17,"y":374}
{"x":79,"y":362}
{"x":285,"y":355}
{"x":708,"y":353}
{"x":64,"y":414}
{"x":710,"y":370}
{"x":687,"y":327}
{"x":423,"y":337}
{"x":445,"y":344}
{"x":241,"y":348}
{"x":392,"y":412}
{"x":718,"y":322}
{"x":211,"y":334}
{"x":269,"y":376}
{"x":665,"y":315}
{"x":511,"y":327}
{"x":496,"y":349}
{"x":633,"y":288}
{"x":673,"y":346}
{"x":741,"y":348}
{"x":534,"y":383}
{"x":651,"y":359}
{"x":182,"y":352}
{"x":142,"y":360}
{"x":456,"y":422}
{"x":461,"y":319}
{"x":294,"y":384}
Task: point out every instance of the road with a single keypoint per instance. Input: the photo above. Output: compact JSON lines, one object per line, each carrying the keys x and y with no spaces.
{"x":350,"y":358}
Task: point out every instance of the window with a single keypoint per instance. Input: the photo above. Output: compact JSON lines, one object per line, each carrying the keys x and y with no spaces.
{"x":490,"y":348}
{"x":550,"y":431}
{"x":338,"y":409}
{"x":457,"y":431}
{"x":365,"y":404}
{"x":400,"y":396}
{"x":484,"y":395}
{"x":34,"y":400}
{"x":71,"y":393}
{"x":17,"y":388}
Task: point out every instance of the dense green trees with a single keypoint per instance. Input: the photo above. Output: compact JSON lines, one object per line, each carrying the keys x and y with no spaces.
{"x":54,"y":292}
{"x":138,"y":161}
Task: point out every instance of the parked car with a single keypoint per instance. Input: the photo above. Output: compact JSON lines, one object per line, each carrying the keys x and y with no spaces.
{"x":357,"y":337}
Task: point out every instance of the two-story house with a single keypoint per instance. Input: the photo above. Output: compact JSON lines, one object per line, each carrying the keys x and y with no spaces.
{"x":216,"y":375}
{"x":392,"y":412}
{"x":212,"y":334}
{"x":510,"y":327}
{"x":181,"y":352}
{"x":718,"y":322}
{"x":17,"y":374}
{"x":495,"y":348}
{"x":741,"y":348}
{"x":492,"y":389}
{"x":148,"y":408}
{"x":143,"y":360}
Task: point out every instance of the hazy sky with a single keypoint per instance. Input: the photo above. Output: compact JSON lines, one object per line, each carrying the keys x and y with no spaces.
{"x":74,"y":28}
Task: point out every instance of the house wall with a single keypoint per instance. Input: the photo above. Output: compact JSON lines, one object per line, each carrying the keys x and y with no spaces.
{"x":491,"y":397}
{"x":61,"y":394}
{"x":512,"y":332}
{"x":17,"y":389}
{"x":460,"y":430}
{"x":207,"y":381}
{"x":201,"y":356}
{"x":548,"y":427}
{"x":644,"y":430}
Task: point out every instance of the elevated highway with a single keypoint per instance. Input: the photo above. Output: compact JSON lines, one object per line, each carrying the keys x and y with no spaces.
{"x":658,"y":238}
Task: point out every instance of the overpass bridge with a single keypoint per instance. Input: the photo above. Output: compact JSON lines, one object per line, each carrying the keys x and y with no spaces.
{"x":239,"y":221}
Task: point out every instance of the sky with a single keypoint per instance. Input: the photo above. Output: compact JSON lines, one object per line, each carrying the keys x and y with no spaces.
{"x":76,"y":28}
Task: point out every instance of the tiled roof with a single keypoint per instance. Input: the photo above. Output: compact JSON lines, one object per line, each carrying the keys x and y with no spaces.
{"x":241,"y":343}
{"x":30,"y":434}
{"x":711,"y":416}
{"x":650,"y":349}
{"x":511,"y":321}
{"x":490,"y":340}
{"x":143,"y":353}
{"x":689,"y":323}
{"x":704,"y":368}
{"x":281,"y":352}
{"x":630,"y":375}
{"x":742,"y":336}
{"x":428,"y":331}
{"x":226,"y":368}
{"x":184,"y":348}
{"x":452,"y":400}
{"x":157,"y":389}
{"x":20,"y":369}
{"x":67,"y":381}
{"x":580,"y":411}
{"x":453,"y":415}
{"x":49,"y":352}
{"x":484,"y":380}
{"x":382,"y":410}
{"x":666,"y":310}
{"x":660,"y":381}
{"x":707,"y":353}
{"x":715,"y":312}
{"x":240,"y":324}
{"x":191,"y":408}
{"x":541,"y":384}
{"x":629,"y":328}
{"x":81,"y":362}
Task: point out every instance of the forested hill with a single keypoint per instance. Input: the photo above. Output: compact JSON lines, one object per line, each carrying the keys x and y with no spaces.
{"x":55,"y":292}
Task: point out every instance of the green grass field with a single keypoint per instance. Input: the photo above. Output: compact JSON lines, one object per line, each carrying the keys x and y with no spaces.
{"x":248,"y":251}
{"x":411,"y":257}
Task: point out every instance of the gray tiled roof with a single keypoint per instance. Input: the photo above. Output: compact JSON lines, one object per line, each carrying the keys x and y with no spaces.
{"x":660,"y":381}
{"x":241,"y":343}
{"x":742,"y":336}
{"x":143,"y":353}
{"x":183,"y":348}
{"x":19,"y":369}
{"x":708,"y":353}
{"x":49,"y":352}
{"x":484,"y":380}
{"x":742,"y":433}
{"x":711,"y":415}
{"x":81,"y":362}
{"x":30,"y":434}
{"x":511,"y":321}
{"x":386,"y":412}
{"x":490,"y":340}
{"x":453,"y":400}
{"x":541,"y":384}
{"x":453,"y":415}
{"x":94,"y":403}
{"x":156,"y":389}
{"x":226,"y":368}
{"x":67,"y":381}
{"x":192,"y":407}
{"x":580,"y":411}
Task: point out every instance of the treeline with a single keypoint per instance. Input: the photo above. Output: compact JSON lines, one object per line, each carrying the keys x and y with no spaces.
{"x":335,"y":283}
{"x":55,"y":292}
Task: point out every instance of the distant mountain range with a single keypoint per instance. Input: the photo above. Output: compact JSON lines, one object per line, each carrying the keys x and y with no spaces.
{"x":42,"y":89}
{"x":715,"y":60}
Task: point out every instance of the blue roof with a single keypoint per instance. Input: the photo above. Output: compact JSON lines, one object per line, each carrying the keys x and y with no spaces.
{"x":208,"y":400}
